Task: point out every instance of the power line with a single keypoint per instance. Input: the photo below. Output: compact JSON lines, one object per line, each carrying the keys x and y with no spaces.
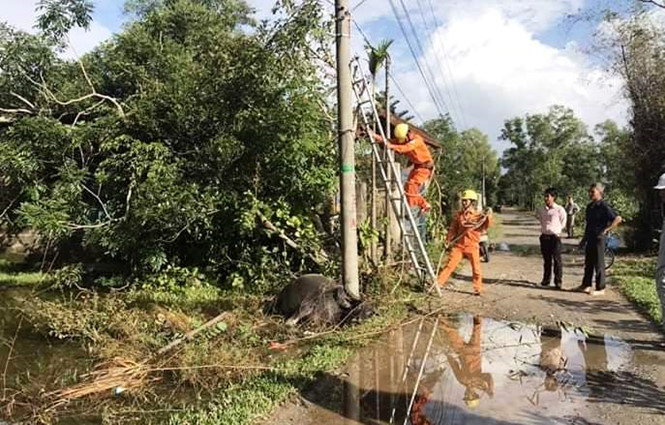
{"x":446,"y":61}
{"x":399,"y":89}
{"x":422,"y":54}
{"x":360,"y":3}
{"x":392,"y":77}
{"x":437,"y":61}
{"x":415,"y":58}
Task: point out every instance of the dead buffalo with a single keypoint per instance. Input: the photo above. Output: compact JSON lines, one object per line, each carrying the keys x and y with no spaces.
{"x":318,"y":301}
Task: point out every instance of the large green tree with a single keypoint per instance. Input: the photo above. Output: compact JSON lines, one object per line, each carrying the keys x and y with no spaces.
{"x":173,"y":142}
{"x":547,"y":150}
{"x":637,"y":47}
{"x":460,"y":162}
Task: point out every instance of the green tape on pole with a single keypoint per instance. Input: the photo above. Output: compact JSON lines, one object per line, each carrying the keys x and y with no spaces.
{"x":348,"y":168}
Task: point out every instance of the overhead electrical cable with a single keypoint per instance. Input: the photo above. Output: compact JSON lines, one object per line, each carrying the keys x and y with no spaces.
{"x":432,"y":80}
{"x":438,"y":63}
{"x":446,"y":61}
{"x":437,"y":104}
{"x":390,"y":74}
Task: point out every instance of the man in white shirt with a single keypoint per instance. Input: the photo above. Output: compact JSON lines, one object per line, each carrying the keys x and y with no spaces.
{"x":660,"y":270}
{"x":552,"y":217}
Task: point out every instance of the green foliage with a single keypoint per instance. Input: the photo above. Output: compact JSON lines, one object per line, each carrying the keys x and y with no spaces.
{"x":70,"y":276}
{"x":377,"y":56}
{"x":637,"y":48}
{"x":12,"y":275}
{"x":216,"y":126}
{"x":58,"y":17}
{"x":367,"y":235}
{"x":636,"y":279}
{"x":91,"y":319}
{"x":460,"y":164}
{"x":548,"y":150}
{"x":258,"y":396}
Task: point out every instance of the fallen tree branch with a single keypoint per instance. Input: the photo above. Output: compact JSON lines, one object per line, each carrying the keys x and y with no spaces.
{"x":23,"y":99}
{"x":43,"y":88}
{"x":268,"y":225}
{"x":75,"y":226}
{"x":191,"y":334}
{"x":101,"y":203}
{"x":16,"y":111}
{"x":11,"y":204}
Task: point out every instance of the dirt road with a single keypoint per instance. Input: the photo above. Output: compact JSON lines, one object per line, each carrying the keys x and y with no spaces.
{"x":492,"y":364}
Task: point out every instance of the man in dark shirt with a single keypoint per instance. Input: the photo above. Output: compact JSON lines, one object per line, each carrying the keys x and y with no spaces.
{"x":600,"y":220}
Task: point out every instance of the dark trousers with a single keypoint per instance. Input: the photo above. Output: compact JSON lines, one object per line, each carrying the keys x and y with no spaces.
{"x":594,"y":261}
{"x":550,"y":247}
{"x":570,"y":226}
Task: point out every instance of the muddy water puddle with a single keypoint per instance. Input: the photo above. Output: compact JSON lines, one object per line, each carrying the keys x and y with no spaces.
{"x":473,"y":370}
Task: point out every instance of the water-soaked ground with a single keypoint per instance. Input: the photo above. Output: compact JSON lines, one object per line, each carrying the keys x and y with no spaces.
{"x":30,"y":361}
{"x":481,"y":371}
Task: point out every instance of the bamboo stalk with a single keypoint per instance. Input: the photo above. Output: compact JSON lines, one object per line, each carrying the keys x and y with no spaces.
{"x":191,"y":334}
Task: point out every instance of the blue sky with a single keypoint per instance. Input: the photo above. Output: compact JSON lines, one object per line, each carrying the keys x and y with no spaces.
{"x":490,"y":59}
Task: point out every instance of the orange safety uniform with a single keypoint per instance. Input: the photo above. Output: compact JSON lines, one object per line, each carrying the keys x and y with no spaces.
{"x":468,"y":369}
{"x":420,"y":157}
{"x":467,"y":245}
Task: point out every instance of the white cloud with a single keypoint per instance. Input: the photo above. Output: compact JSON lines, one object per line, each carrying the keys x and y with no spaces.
{"x":21,"y":14}
{"x":501,"y":70}
{"x":535,"y":15}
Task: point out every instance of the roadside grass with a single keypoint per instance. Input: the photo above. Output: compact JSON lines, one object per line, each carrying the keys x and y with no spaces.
{"x":258,"y":396}
{"x":225,"y":375}
{"x":636,"y":280}
{"x":12,"y":274}
{"x":496,"y":230}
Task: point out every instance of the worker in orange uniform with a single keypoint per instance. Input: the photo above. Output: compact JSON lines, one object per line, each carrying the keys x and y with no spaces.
{"x":469,"y":368}
{"x":414,"y":147}
{"x":464,"y":235}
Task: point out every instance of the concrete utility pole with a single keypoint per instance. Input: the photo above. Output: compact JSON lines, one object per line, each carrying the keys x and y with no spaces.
{"x":346,"y":149}
{"x":389,"y":194}
{"x":484,"y":197}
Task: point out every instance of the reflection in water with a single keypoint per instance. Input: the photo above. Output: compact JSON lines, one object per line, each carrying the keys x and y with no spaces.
{"x":476,"y":371}
{"x":469,"y":370}
{"x":352,"y":390}
{"x":552,"y":358}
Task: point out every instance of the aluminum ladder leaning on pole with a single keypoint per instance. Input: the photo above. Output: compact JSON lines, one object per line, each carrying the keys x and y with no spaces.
{"x":388,"y":172}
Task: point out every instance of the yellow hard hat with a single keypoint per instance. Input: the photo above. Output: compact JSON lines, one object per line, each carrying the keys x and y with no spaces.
{"x":470,"y":195}
{"x":472,"y":404}
{"x":401,"y":130}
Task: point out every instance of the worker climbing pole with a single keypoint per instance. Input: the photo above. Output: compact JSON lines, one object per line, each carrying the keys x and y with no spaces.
{"x":413,"y":147}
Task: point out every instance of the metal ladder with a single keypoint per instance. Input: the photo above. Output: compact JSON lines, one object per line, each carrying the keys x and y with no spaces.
{"x":388,"y":172}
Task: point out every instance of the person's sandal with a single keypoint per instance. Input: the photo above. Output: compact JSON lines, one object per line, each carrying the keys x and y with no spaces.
{"x":599,"y":293}
{"x":585,"y":289}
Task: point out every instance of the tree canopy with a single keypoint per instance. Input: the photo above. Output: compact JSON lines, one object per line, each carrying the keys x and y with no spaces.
{"x":164,"y":146}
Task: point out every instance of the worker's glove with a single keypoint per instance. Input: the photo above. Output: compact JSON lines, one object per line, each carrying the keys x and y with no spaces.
{"x":488,"y":211}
